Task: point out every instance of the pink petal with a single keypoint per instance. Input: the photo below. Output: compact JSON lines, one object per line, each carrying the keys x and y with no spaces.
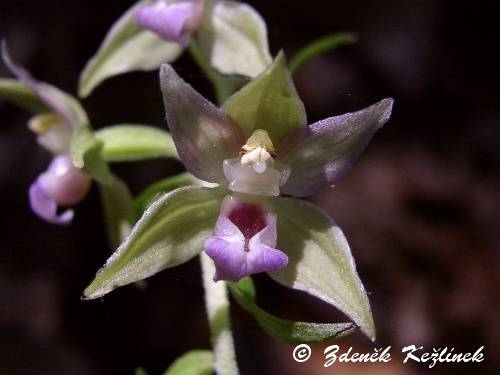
{"x":243,"y":241}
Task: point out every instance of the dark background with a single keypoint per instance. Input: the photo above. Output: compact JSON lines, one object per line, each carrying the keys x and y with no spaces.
{"x":421,"y":209}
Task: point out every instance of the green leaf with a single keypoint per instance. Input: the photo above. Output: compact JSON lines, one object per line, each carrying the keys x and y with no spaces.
{"x":234,"y":38}
{"x":118,"y":210}
{"x":171,"y":231}
{"x":320,"y":260}
{"x":85,"y":150}
{"x":20,"y":94}
{"x":194,"y":362}
{"x":269,"y":102}
{"x":129,"y":142}
{"x":286,"y":330}
{"x":126,"y":48}
{"x":319,"y":46}
{"x":140,"y":371}
{"x":148,"y":195}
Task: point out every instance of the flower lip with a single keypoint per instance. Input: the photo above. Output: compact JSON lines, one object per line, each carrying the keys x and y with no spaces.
{"x":250,"y":220}
{"x":64,"y":182}
{"x":244,"y":240}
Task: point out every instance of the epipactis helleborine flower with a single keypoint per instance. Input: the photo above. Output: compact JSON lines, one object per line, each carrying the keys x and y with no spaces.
{"x":173,"y":20}
{"x":212,"y":147}
{"x":256,"y":148}
{"x":62,"y":184}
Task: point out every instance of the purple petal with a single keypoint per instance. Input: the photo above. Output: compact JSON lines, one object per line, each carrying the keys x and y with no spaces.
{"x":172,"y":20}
{"x":203,"y":134}
{"x":243,"y":241}
{"x":62,"y":104}
{"x":46,"y":207}
{"x":62,"y":184}
{"x":320,"y":154}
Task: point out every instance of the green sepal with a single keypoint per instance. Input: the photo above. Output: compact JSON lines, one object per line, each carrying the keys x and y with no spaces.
{"x":131,"y":142}
{"x":20,"y":94}
{"x":118,"y":208}
{"x":269,"y":102}
{"x":172,"y":231}
{"x":194,"y":362}
{"x":233,"y":36}
{"x":286,"y":330}
{"x":86,"y":151}
{"x":126,"y":48}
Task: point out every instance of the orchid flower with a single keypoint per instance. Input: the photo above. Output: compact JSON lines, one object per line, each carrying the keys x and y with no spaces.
{"x":255,"y":148}
{"x":229,"y":36}
{"x":62,"y":184}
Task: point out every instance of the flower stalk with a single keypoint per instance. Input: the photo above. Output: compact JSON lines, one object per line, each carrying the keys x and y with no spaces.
{"x":217,"y":303}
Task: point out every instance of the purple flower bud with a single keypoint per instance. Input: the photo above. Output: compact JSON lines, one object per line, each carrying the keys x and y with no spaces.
{"x":62,"y":184}
{"x":243,"y":241}
{"x":173,"y":20}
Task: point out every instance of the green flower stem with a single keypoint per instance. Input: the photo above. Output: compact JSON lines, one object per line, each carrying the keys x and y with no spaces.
{"x":217,"y":303}
{"x":224,"y":86}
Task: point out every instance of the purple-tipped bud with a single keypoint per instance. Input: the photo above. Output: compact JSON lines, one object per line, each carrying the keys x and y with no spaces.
{"x":62,"y":184}
{"x":173,"y":20}
{"x":243,"y":242}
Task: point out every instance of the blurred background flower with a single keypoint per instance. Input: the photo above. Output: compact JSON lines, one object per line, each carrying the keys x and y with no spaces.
{"x":421,"y":209}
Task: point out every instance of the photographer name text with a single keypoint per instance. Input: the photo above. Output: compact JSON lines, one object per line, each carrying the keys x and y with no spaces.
{"x":411,"y":353}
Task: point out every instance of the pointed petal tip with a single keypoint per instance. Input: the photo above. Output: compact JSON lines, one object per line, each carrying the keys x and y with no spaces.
{"x":7,"y":59}
{"x":369,"y":332}
{"x":280,"y":55}
{"x":165,"y":68}
{"x":169,"y":79}
{"x":386,"y":106}
{"x":165,"y":71}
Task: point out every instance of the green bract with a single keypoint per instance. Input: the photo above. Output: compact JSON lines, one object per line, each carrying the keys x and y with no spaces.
{"x":194,"y":362}
{"x":286,"y":330}
{"x":319,"y":46}
{"x":171,"y":231}
{"x":320,"y":260}
{"x":129,"y":142}
{"x":126,"y":48}
{"x":153,"y":191}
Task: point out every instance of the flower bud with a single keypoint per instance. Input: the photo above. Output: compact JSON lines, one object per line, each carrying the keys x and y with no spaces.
{"x":173,"y":20}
